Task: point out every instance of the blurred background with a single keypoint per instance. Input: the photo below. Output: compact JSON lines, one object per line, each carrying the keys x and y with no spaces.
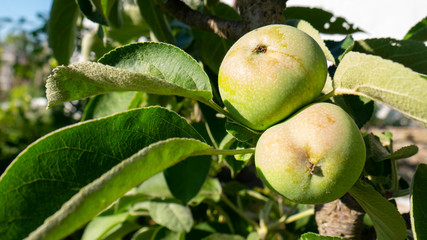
{"x":26,"y":62}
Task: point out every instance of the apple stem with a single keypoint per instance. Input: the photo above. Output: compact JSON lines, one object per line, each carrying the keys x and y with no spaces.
{"x":325,"y":97}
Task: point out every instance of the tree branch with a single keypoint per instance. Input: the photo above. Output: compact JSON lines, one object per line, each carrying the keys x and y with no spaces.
{"x":255,"y":13}
{"x":228,"y":29}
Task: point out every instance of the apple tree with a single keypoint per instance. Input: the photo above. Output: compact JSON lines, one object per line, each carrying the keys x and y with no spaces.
{"x":164,"y":152}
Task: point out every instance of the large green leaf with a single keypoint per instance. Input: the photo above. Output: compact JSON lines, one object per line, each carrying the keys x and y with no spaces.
{"x":61,"y":29}
{"x":102,"y":192}
{"x":385,"y":81}
{"x":156,"y":68}
{"x":418,"y":203}
{"x":56,"y":167}
{"x":155,"y":18}
{"x":410,"y":53}
{"x":322,"y":20}
{"x":386,"y":219}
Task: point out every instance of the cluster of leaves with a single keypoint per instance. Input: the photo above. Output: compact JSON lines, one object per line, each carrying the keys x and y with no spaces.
{"x":182,"y":169}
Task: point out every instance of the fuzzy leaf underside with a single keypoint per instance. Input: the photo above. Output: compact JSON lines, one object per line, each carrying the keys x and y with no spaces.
{"x":155,"y":68}
{"x":384,"y":81}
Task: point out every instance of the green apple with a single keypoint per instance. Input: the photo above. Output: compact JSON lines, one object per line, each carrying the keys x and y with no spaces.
{"x":269,"y":73}
{"x":314,"y":157}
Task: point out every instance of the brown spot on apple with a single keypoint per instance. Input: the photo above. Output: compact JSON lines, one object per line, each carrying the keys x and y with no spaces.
{"x":260,"y":48}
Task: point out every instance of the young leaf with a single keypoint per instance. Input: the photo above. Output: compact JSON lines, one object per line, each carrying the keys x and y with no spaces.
{"x":149,"y":67}
{"x":156,"y":20}
{"x":386,"y":219}
{"x":54,"y":168}
{"x":61,"y":29}
{"x":172,"y":215}
{"x":418,"y":202}
{"x":385,"y":81}
{"x":322,"y":20}
{"x":315,"y":236}
{"x":410,"y":53}
{"x":418,"y":32}
{"x":102,"y":192}
{"x":186,"y":178}
{"x":404,"y":152}
{"x":314,"y":33}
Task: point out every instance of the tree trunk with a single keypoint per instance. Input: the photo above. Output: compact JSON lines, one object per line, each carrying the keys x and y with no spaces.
{"x":341,"y":218}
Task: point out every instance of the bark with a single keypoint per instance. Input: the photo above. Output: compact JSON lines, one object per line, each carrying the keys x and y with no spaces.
{"x":255,"y":13}
{"x":341,"y":218}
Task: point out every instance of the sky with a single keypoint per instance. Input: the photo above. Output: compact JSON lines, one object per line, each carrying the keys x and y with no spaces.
{"x":28,"y":9}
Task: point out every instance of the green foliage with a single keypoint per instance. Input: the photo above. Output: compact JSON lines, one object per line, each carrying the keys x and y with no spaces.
{"x":418,"y":199}
{"x":62,"y":29}
{"x":384,"y":215}
{"x":135,"y":170}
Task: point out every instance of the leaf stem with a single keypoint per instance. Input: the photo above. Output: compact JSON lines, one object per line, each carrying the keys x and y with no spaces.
{"x":226,"y":151}
{"x":239,"y":211}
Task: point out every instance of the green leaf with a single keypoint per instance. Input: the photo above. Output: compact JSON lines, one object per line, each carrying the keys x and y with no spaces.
{"x":156,"y":20}
{"x":418,"y":32}
{"x":410,"y":53}
{"x":211,"y":189}
{"x":56,"y":167}
{"x":133,"y":27}
{"x":359,"y":108}
{"x":315,"y":236}
{"x":144,"y":233}
{"x":186,"y":178}
{"x":150,"y":67}
{"x":418,"y":202}
{"x":404,"y":152}
{"x":103,"y":225}
{"x":212,"y":48}
{"x":107,"y":104}
{"x":61,"y":29}
{"x":92,"y":9}
{"x":102,"y":192}
{"x":322,"y":20}
{"x":314,"y":33}
{"x":387,"y":221}
{"x":242,"y":133}
{"x":112,"y":9}
{"x":385,"y":81}
{"x":174,"y":216}
{"x":166,"y":234}
{"x":339,"y":49}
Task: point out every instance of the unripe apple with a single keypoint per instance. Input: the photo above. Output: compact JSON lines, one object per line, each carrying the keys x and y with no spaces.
{"x":314,"y":157}
{"x":269,"y":73}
